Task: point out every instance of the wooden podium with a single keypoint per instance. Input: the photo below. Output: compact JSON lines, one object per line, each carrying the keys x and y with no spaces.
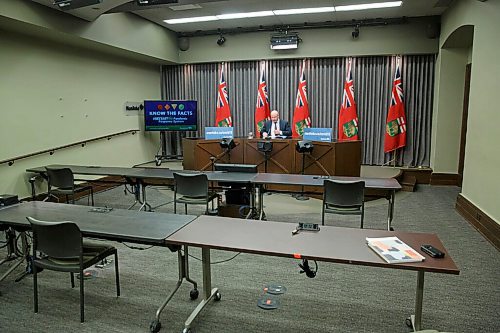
{"x":327,"y":158}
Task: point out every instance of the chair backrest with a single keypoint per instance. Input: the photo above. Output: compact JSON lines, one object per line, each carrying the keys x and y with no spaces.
{"x":62,"y":178}
{"x":343,"y":193}
{"x":61,"y":240}
{"x":192,"y":185}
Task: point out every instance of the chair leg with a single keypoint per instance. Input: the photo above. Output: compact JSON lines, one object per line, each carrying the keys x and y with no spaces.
{"x":82,"y":300}
{"x":175,"y":206}
{"x":117,"y":275}
{"x":186,"y":208}
{"x":35,"y":289}
{"x":323,"y":215}
{"x":92,"y":195}
{"x":362,"y":216}
{"x":72,"y":279}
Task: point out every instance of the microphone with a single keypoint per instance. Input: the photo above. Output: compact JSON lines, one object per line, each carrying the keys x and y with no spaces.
{"x":306,"y":269}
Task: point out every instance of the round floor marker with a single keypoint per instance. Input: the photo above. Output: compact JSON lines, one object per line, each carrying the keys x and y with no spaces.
{"x":275,"y":289}
{"x":268,"y":302}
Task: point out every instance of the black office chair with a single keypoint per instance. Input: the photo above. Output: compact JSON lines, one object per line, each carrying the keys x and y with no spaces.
{"x":62,"y":182}
{"x":59,"y":246}
{"x":193,"y":190}
{"x":344,"y":198}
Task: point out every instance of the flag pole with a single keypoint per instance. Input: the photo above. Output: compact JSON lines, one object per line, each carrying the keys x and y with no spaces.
{"x":391,"y":161}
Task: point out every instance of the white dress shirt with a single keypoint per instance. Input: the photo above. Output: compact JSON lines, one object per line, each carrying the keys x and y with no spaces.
{"x":275,"y":126}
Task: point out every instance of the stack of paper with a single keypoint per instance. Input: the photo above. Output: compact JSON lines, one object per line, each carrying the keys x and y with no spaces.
{"x":393,"y":250}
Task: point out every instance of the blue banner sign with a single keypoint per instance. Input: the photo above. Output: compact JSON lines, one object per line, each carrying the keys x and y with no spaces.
{"x":317,"y":134}
{"x":218,"y":133}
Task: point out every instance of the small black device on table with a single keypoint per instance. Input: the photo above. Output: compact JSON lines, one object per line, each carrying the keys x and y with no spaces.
{"x":432,"y":251}
{"x":306,"y":227}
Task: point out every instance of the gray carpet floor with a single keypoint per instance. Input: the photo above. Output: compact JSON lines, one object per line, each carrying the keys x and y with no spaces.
{"x":342,"y":298}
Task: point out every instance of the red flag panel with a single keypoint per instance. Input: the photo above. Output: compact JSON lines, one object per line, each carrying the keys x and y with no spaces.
{"x":301,"y":118}
{"x":222,"y":112}
{"x":395,"y":128}
{"x":348,"y":118}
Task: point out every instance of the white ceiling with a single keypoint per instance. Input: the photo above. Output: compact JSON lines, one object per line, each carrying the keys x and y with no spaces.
{"x":158,"y":13}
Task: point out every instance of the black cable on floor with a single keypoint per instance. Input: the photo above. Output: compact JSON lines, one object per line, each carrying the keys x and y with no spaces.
{"x":217,"y":262}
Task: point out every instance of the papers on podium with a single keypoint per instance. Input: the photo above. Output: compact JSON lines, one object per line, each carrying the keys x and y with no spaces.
{"x":393,"y":250}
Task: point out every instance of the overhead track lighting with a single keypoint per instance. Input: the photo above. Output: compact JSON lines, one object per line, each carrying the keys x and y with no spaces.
{"x":276,"y":12}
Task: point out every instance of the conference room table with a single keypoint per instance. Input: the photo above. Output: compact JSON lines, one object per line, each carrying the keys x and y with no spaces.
{"x":330,"y":244}
{"x":388,"y":185}
{"x":138,"y":176}
{"x":255,"y":181}
{"x":111,"y":224}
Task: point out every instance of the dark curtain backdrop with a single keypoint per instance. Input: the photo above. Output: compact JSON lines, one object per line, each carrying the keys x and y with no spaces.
{"x":373,"y":77}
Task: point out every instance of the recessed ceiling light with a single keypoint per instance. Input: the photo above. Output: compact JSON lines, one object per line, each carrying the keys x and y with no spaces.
{"x":304,"y":10}
{"x":285,"y":12}
{"x":245,"y":15}
{"x":191,"y":19}
{"x":369,"y":6}
{"x":184,"y":7}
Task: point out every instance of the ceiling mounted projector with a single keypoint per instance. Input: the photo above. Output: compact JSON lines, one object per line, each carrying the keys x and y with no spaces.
{"x":285,"y":41}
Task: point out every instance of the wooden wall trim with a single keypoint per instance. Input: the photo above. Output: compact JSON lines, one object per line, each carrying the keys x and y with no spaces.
{"x":486,"y":226}
{"x":444,"y":179}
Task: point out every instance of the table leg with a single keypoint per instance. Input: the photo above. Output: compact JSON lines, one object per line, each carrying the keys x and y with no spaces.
{"x":137,"y":195}
{"x":261,"y":202}
{"x":145,"y":204}
{"x":12,"y":255}
{"x":417,"y":318}
{"x":208,"y":292}
{"x":390,"y":210}
{"x":182,"y":260}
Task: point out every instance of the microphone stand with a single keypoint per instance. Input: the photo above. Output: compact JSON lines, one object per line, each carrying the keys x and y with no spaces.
{"x":301,"y":196}
{"x":213,"y":211}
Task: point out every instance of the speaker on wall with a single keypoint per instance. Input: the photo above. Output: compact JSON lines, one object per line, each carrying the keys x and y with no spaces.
{"x":183,"y":43}
{"x":432,"y":30}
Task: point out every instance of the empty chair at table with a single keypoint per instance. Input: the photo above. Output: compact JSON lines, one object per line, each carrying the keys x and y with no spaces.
{"x":344,"y":198}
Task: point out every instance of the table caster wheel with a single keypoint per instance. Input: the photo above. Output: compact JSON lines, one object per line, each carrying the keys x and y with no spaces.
{"x":217,"y":296}
{"x":187,"y":330}
{"x":391,"y":229}
{"x":155,"y":326}
{"x":193,"y":294}
{"x":408,"y":322}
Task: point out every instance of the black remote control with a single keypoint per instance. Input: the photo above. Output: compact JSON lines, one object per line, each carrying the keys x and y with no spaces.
{"x":432,"y":251}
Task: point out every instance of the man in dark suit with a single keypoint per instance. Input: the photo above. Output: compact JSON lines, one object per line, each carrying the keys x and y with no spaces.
{"x":276,"y":127}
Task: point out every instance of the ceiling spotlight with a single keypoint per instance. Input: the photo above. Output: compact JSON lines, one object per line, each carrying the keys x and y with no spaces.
{"x":355,"y":32}
{"x":221,"y":40}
